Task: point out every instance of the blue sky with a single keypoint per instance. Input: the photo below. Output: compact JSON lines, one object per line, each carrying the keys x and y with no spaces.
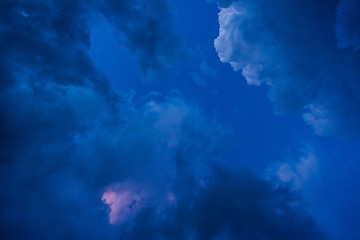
{"x":167,"y":119}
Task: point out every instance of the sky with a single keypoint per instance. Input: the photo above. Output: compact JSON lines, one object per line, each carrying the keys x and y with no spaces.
{"x":169,"y":119}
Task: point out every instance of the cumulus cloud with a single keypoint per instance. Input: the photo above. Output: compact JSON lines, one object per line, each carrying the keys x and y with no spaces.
{"x":293,"y":48}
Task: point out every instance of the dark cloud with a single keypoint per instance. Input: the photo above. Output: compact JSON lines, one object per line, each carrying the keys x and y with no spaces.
{"x":226,"y":205}
{"x":46,"y":40}
{"x":44,"y":166}
{"x":148,"y":31}
{"x":293,"y":48}
{"x":55,"y":176}
{"x":152,"y":165}
{"x":59,"y":123}
{"x":44,"y":46}
{"x":52,"y":38}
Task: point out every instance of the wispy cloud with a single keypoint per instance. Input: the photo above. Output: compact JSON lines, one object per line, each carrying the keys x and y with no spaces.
{"x":295,"y":170}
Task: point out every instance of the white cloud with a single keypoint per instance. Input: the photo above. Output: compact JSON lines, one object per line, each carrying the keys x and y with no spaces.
{"x":292,"y":48}
{"x":232,"y":44}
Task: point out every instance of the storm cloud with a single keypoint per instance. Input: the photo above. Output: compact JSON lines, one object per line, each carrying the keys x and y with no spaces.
{"x":81,"y":160}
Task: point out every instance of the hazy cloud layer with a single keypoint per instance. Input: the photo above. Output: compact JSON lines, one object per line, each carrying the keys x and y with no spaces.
{"x":293,"y":48}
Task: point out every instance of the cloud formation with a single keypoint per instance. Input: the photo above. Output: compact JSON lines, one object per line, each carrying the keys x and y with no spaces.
{"x":80,"y":160}
{"x":293,"y":48}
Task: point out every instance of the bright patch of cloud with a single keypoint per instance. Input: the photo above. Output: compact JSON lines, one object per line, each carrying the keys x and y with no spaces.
{"x":124,"y":201}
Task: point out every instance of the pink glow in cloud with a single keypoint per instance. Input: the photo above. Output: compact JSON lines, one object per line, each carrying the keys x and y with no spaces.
{"x":123,"y":205}
{"x":126,"y":200}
